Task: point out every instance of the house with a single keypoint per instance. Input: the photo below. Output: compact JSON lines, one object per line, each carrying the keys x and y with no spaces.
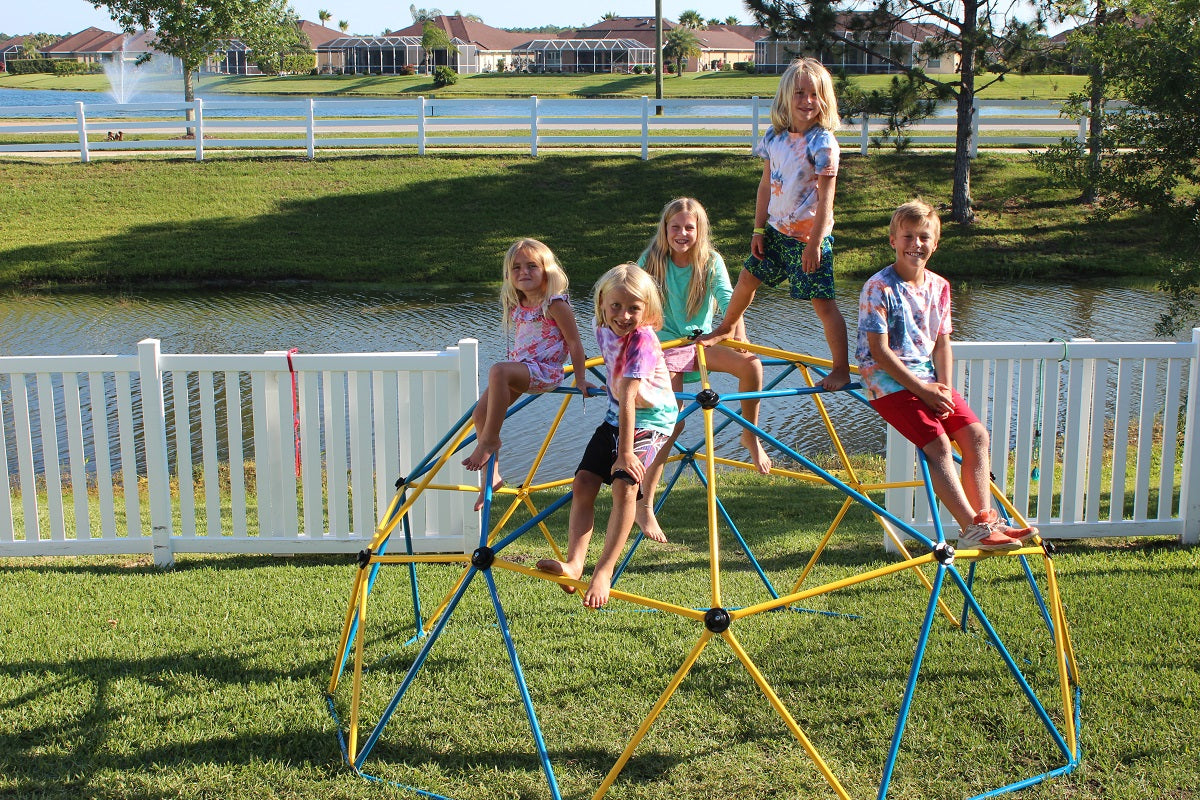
{"x":391,"y":55}
{"x":582,"y":55}
{"x":491,"y":47}
{"x":902,"y":44}
{"x":11,"y":50}
{"x":719,"y":44}
{"x":238,"y":59}
{"x":99,"y":47}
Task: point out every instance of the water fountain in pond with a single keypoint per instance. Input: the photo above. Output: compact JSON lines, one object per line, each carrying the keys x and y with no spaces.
{"x":123,"y":75}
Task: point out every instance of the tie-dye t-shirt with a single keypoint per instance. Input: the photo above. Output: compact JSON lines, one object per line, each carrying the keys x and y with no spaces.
{"x":911,"y":316}
{"x":796,"y":161}
{"x":638,"y":355}
{"x":538,"y":342}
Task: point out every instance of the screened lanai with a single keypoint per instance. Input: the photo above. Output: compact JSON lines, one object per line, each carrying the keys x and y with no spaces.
{"x":582,"y":55}
{"x":389,"y":55}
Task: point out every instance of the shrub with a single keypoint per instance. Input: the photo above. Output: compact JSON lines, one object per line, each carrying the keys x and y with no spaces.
{"x":740,"y":66}
{"x":444,"y":76}
{"x":30,"y":66}
{"x":408,"y":69}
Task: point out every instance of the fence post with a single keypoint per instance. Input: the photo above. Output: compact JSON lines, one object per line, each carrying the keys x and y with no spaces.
{"x":154,"y":430}
{"x":312,"y":129}
{"x":1083,"y":125}
{"x":645,"y":128}
{"x":1189,"y":484}
{"x":533,"y":126}
{"x":754,"y":125}
{"x":198,"y":131}
{"x":864,"y":136}
{"x":81,"y":118}
{"x":421,"y":126}
{"x":974,"y":128}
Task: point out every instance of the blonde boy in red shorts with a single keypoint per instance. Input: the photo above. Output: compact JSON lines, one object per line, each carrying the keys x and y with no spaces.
{"x":905,"y":361}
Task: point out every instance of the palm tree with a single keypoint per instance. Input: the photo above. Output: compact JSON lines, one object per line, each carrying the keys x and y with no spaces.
{"x":680,"y":45}
{"x":424,"y":14}
{"x":732,"y":20}
{"x":344,"y":25}
{"x":609,"y":15}
{"x":324,"y":15}
{"x":691,"y":19}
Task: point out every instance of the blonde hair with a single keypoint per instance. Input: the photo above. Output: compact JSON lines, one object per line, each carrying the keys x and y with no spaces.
{"x":556,"y":279}
{"x":916,"y":212}
{"x":781,"y":106}
{"x":658,"y":252}
{"x":638,"y":283}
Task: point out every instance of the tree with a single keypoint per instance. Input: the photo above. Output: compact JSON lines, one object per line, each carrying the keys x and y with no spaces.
{"x":424,"y":14}
{"x":34,"y":42}
{"x":691,"y":19}
{"x":193,"y":32}
{"x":1149,"y":146}
{"x":434,"y":38}
{"x":680,"y":45}
{"x":324,"y":15}
{"x":272,"y":47}
{"x":609,"y":15}
{"x":471,"y":17}
{"x":984,"y":35}
{"x":343,"y":25}
{"x":732,"y":20}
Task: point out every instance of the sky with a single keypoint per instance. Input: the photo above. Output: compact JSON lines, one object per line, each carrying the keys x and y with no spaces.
{"x":376,"y":16}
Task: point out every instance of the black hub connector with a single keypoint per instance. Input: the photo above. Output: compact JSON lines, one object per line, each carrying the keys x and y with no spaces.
{"x":717,"y":620}
{"x":707,"y":398}
{"x":944,"y":553}
{"x":364,"y":558}
{"x":1048,"y":548}
{"x":483,"y":557}
{"x":403,"y":479}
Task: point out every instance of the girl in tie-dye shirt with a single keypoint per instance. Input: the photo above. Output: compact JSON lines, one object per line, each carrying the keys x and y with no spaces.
{"x":537,"y":311}
{"x":641,"y":416}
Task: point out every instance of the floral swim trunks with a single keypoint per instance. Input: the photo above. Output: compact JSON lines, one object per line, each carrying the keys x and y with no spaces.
{"x":782,"y":261}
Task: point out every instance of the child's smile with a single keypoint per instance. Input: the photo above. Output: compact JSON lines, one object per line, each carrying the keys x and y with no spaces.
{"x":527,"y":275}
{"x":623,"y":312}
{"x":806,"y":104}
{"x":681,"y":235}
{"x":914,"y":244}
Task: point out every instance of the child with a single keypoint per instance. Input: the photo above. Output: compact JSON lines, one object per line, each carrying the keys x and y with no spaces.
{"x":793,"y":212}
{"x":681,"y":260}
{"x":904,"y":358}
{"x":536,"y":309}
{"x":641,"y":415}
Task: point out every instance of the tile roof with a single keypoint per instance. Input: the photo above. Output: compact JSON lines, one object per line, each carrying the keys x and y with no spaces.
{"x":468,"y":30}
{"x":89,"y":40}
{"x":319,"y":34}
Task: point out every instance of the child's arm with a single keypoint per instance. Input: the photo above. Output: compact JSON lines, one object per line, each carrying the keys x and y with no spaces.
{"x":761,"y":200}
{"x":627,"y":418}
{"x":943,"y":359}
{"x":560,"y":312}
{"x":935,"y":395}
{"x":810,"y":261}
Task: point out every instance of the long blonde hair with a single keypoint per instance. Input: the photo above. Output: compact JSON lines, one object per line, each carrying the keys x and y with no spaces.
{"x":658,"y":252}
{"x":638,"y":283}
{"x":781,"y":106}
{"x":556,"y":278}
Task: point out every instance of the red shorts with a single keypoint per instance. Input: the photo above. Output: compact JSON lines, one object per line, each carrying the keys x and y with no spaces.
{"x":916,"y":421}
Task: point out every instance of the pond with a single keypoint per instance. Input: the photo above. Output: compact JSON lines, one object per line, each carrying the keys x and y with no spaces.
{"x":321,"y":321}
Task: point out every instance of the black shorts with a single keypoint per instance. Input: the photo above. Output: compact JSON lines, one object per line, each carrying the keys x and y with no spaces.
{"x":601,"y":452}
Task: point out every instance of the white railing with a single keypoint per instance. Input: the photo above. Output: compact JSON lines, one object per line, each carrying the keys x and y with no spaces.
{"x":163,"y":454}
{"x":310,"y":125}
{"x":1088,"y":438}
{"x":160,"y":453}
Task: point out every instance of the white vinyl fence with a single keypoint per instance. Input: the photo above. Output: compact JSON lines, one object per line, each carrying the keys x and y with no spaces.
{"x":109,"y":449}
{"x":309,"y":125}
{"x":160,"y":453}
{"x":1088,"y":438}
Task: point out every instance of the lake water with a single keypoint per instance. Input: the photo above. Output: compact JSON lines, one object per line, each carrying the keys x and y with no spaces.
{"x":232,"y":105}
{"x":319,"y":321}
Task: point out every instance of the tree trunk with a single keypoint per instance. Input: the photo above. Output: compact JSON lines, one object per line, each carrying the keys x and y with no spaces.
{"x":960,"y":201}
{"x":1095,"y":136}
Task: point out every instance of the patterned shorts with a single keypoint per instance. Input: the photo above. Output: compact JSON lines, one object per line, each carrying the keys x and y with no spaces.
{"x":782,"y":262}
{"x":544,"y":376}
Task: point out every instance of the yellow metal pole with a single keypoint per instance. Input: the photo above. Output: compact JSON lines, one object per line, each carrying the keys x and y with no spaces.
{"x":1061,"y":646}
{"x":837,"y":520}
{"x":659,"y":705}
{"x":788,"y":720}
{"x":356,"y":694}
{"x":359,"y":578}
{"x":710,"y":477}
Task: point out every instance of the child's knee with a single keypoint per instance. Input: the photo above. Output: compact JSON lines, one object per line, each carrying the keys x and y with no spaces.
{"x":586,"y":486}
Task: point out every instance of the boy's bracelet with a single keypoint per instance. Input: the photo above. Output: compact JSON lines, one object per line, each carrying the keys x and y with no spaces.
{"x":759,"y":231}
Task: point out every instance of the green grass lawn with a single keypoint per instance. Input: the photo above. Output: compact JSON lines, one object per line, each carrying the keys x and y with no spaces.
{"x":708,"y":84}
{"x":207,"y":681}
{"x":388,"y":220}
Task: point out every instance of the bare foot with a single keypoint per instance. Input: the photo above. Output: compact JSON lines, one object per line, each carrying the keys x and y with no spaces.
{"x":836,"y":380}
{"x":556,"y":567}
{"x":497,"y":482}
{"x":648,"y":523}
{"x":598,"y":590}
{"x":758,"y":456}
{"x":484,"y":448}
